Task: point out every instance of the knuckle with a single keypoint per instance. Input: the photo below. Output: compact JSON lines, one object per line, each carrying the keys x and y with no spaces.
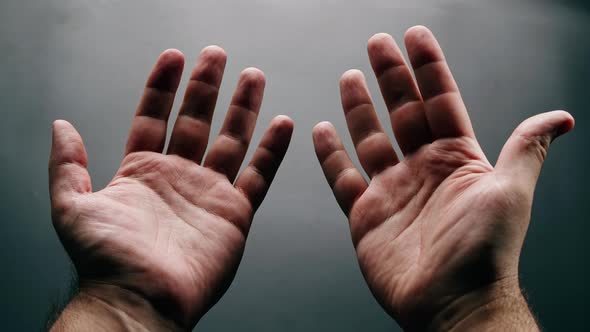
{"x":534,"y":144}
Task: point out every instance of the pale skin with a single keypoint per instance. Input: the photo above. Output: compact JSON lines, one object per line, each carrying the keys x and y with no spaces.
{"x":158,"y":246}
{"x":438,"y":233}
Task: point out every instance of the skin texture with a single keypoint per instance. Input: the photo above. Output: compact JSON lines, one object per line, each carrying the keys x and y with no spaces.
{"x":161,"y":243}
{"x":438,"y":234}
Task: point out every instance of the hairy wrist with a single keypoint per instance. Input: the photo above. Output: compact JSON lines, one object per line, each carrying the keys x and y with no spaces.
{"x":111,"y":308}
{"x":499,"y":306}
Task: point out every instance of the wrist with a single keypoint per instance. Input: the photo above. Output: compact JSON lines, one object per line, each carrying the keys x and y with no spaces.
{"x":111,"y":308}
{"x":500,"y":306}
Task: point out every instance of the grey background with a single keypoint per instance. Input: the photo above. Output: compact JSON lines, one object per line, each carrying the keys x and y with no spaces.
{"x":86,"y":61}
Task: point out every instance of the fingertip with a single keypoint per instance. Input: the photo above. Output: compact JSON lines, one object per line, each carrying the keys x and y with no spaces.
{"x":418,"y":38}
{"x":172,"y":58}
{"x":322,"y":131}
{"x":571,"y":122}
{"x":550,"y":124}
{"x":283,"y":121}
{"x":283,"y":125}
{"x":216,"y":49}
{"x":62,"y":128}
{"x":354,"y":90}
{"x":351,"y":81}
{"x":323,"y":126}
{"x":567,"y":117}
{"x":67,"y":144}
{"x":567,"y":122}
{"x":253,"y":74}
{"x":379,"y":36}
{"x":59,"y":124}
{"x":377,"y":41}
{"x":172,"y":52}
{"x":252,"y":79}
{"x":166,"y":73}
{"x":214,"y":53}
{"x":250,"y":90}
{"x":352,"y":76}
{"x":422,"y":46}
{"x":416,"y":32}
{"x":56,"y":126}
{"x":384,"y":53}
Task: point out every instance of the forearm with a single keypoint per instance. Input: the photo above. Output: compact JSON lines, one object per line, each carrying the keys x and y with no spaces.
{"x":498,"y":308}
{"x":110,"y":308}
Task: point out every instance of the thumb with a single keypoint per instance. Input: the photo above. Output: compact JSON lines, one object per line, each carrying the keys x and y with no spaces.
{"x":68,"y":175}
{"x":525,"y":151}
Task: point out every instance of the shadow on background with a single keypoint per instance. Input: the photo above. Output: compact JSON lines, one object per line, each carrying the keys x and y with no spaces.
{"x":577,"y":4}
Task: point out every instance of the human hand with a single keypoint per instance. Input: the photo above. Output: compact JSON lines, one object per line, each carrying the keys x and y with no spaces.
{"x":162,"y":242}
{"x":438,"y":234}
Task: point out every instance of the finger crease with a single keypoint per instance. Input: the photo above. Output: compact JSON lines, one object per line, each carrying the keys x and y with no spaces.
{"x":241,"y":108}
{"x":370,"y":135}
{"x":342,"y":174}
{"x":243,"y":141}
{"x":394,"y":68}
{"x":211,"y":86}
{"x":359,"y":107}
{"x":429,"y":64}
{"x":447,"y":94}
{"x":161,"y":90}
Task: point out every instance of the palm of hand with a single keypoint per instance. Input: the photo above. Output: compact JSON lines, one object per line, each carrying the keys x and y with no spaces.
{"x":170,"y":228}
{"x":164,"y":226}
{"x":422,"y":224}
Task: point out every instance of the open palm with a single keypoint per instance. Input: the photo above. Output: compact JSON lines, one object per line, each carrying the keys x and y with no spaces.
{"x":443,"y":223}
{"x":167,"y":228}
